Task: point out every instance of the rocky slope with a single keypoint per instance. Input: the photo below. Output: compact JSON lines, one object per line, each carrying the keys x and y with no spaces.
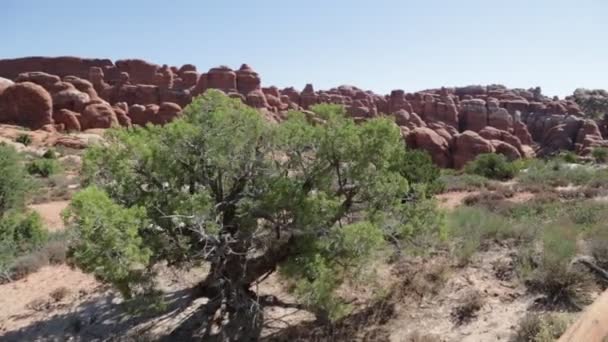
{"x":453,"y":124}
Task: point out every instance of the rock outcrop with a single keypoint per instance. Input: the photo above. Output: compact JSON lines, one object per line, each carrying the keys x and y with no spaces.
{"x":453,"y":124}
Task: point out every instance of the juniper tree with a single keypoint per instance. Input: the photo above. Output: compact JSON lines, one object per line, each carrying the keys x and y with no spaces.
{"x":221,"y":186}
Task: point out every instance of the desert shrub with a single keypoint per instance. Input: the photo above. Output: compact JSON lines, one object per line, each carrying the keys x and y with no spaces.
{"x":493,"y":166}
{"x":473,"y":226}
{"x":536,"y":327}
{"x":556,"y":173}
{"x":50,"y":154}
{"x":59,"y":293}
{"x":24,"y":230}
{"x":221,"y":186}
{"x":553,"y":275}
{"x":25,"y":264}
{"x":600,"y":154}
{"x":43,"y":167}
{"x":14,"y":183}
{"x":463,"y":182}
{"x":597,"y":241}
{"x":468,"y":307}
{"x":24,"y":139}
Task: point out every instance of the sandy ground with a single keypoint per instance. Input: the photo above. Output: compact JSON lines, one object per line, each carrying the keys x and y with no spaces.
{"x":451,"y":200}
{"x":51,"y":214}
{"x":504,"y":303}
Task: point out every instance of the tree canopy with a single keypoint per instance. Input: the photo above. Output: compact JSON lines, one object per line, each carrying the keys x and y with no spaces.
{"x":315,"y":199}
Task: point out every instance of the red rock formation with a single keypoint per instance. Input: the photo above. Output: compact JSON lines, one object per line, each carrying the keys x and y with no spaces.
{"x":4,"y":83}
{"x":26,"y":104}
{"x":67,"y":118}
{"x":156,"y":94}
{"x":469,"y":145}
{"x":426,"y":139}
{"x":98,"y":115}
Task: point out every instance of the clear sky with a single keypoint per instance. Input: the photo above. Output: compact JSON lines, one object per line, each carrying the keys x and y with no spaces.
{"x":376,"y":44}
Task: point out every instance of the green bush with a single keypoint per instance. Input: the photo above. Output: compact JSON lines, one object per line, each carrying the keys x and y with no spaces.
{"x":600,"y":154}
{"x":568,"y":157}
{"x":317,"y":199}
{"x":493,"y":166}
{"x":418,"y":168}
{"x":24,"y":139}
{"x":14,"y":182}
{"x":43,"y":167}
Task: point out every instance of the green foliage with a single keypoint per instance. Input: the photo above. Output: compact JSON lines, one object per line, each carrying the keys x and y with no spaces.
{"x":568,"y":157}
{"x":418,"y":168}
{"x":491,"y":165}
{"x":13,"y":180}
{"x":50,"y":154}
{"x":316,"y":199}
{"x":600,"y":154}
{"x":24,"y":139}
{"x":43,"y":167}
{"x":109,"y":244}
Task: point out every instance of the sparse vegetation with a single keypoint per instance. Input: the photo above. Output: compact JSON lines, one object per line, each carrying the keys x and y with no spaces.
{"x":24,"y":139}
{"x":546,"y":327}
{"x":600,"y":154}
{"x":553,"y":274}
{"x":467,"y":309}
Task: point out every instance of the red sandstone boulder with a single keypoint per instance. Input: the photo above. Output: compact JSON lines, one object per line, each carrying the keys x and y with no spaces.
{"x":506,"y":149}
{"x":71,"y":99}
{"x":473,"y":115}
{"x":426,"y":139}
{"x":222,"y":78}
{"x":308,"y":97}
{"x":140,"y":71}
{"x":69,"y":119}
{"x":137,"y":114}
{"x":256,"y":99}
{"x":121,"y":114}
{"x":41,"y":78}
{"x":5,"y":83}
{"x":26,"y":104}
{"x":397,"y":101}
{"x":98,"y":115}
{"x":247,"y":80}
{"x":167,"y":111}
{"x":469,"y":145}
{"x":520,"y":130}
{"x":82,"y":85}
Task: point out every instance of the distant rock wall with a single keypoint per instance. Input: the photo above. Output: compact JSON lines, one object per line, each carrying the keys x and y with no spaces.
{"x":453,"y":124}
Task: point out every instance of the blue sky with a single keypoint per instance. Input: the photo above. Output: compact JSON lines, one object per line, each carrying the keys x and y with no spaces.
{"x":378,"y":45}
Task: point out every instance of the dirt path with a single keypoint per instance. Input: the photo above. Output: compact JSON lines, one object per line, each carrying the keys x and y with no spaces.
{"x":50,"y":213}
{"x":451,"y":200}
